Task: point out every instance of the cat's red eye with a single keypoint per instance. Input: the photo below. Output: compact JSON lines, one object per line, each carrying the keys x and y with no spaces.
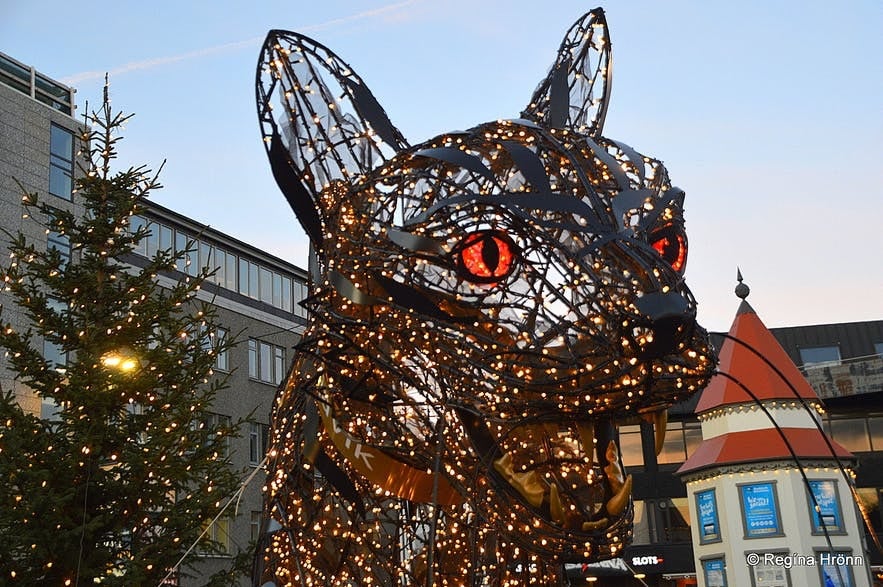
{"x":671,"y":243}
{"x":486,"y":256}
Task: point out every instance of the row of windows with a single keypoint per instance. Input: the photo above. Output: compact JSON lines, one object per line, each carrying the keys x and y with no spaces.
{"x":231,"y":272}
{"x":856,"y":434}
{"x":681,"y":439}
{"x":825,"y":356}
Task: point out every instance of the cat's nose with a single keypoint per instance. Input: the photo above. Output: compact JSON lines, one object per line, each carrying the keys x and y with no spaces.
{"x":670,"y":320}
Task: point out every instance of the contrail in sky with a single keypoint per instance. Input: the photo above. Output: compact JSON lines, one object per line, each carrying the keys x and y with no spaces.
{"x":77,"y":78}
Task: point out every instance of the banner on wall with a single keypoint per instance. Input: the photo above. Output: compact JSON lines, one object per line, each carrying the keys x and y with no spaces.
{"x":760,"y":512}
{"x":828,"y":517}
{"x":706,"y":508}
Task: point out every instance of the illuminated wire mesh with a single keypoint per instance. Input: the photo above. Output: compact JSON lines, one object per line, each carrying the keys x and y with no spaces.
{"x":487,"y":308}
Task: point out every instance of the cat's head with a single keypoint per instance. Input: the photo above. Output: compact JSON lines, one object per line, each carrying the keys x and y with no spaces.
{"x":520,"y":282}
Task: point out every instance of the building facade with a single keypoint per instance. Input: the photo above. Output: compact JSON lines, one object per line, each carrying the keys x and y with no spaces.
{"x":257,"y":295}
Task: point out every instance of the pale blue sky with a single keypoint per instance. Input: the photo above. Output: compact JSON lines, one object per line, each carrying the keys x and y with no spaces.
{"x":768,"y":114}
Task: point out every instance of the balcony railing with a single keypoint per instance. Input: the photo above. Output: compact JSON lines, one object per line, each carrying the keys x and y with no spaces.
{"x":32,"y":83}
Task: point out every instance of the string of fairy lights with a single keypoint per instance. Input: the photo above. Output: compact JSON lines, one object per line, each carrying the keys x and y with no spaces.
{"x":487,"y":308}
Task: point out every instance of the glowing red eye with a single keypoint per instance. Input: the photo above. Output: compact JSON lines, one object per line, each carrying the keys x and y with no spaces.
{"x":671,"y":243}
{"x":486,"y":256}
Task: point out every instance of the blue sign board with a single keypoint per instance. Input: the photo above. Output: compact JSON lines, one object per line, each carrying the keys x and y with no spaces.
{"x":760,"y":512}
{"x":828,"y":516}
{"x":706,"y":509}
{"x":715,"y":572}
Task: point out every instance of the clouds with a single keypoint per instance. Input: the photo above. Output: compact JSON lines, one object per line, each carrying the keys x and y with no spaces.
{"x":390,"y":10}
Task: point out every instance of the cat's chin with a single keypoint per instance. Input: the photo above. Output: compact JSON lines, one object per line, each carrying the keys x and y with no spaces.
{"x":555,"y":488}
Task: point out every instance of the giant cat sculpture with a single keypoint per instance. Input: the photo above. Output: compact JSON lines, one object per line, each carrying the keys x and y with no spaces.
{"x":486,"y":308}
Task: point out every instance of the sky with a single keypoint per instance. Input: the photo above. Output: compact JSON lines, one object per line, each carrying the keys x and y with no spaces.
{"x":768,"y":114}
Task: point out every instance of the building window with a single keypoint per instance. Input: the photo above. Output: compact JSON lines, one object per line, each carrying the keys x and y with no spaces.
{"x":820,"y":356}
{"x":875,"y":427}
{"x":300,"y":294}
{"x":674,"y":449}
{"x":630,"y":445}
{"x":218,"y":533}
{"x":258,"y":435}
{"x":222,"y":361}
{"x":266,"y":362}
{"x":62,"y":244}
{"x":878,"y":349}
{"x":869,"y":506}
{"x":54,"y":354}
{"x":61,"y":162}
{"x":835,"y":567}
{"x":675,"y":518}
{"x":255,"y":525}
{"x":852,"y":433}
{"x":210,"y":425}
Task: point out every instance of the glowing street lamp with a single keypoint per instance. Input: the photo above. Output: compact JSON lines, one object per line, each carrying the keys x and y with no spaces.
{"x":123,"y":360}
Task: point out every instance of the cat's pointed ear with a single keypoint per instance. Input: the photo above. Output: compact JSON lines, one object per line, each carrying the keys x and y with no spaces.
{"x":322,"y":126}
{"x":575,"y":93}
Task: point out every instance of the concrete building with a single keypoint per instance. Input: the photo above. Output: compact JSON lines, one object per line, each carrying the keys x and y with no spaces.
{"x":256,"y":294}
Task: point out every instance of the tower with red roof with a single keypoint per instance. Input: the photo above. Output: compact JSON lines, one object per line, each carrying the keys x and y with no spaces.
{"x":770,"y":493}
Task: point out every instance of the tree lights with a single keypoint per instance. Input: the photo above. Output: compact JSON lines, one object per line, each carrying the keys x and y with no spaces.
{"x":114,"y":486}
{"x":487,"y":307}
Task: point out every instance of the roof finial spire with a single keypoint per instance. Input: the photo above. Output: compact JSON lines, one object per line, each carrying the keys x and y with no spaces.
{"x":742,"y":290}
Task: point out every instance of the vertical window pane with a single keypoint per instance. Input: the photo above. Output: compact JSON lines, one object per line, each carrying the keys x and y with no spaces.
{"x":220,"y":264}
{"x":136,"y":224}
{"x":673,"y":449}
{"x":255,"y":525}
{"x":253,"y":281}
{"x":266,"y":285}
{"x":678,"y":520}
{"x":692,"y":436}
{"x":206,"y":260}
{"x":266,"y":363}
{"x":243,"y":276}
{"x":221,"y":361}
{"x":286,"y":294}
{"x":278,"y":364}
{"x":852,"y":434}
{"x":180,"y":249}
{"x":231,"y":272}
{"x":875,"y":424}
{"x":61,"y":162}
{"x":277,"y":290}
{"x":60,"y":243}
{"x":252,"y":358}
{"x":254,"y":442}
{"x":630,"y":445}
{"x":152,"y":240}
{"x":165,"y":238}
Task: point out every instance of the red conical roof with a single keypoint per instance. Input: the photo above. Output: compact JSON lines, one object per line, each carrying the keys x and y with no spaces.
{"x":749,"y":362}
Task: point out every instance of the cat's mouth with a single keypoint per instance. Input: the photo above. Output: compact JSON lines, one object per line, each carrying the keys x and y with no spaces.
{"x":569,"y":475}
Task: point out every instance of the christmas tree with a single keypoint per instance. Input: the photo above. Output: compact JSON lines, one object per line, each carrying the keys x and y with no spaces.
{"x":118,"y":485}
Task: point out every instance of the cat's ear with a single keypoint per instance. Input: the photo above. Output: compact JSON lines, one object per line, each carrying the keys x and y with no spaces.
{"x":575,"y":93}
{"x":322,"y":126}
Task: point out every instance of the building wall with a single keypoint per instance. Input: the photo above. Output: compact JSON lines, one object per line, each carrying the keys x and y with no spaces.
{"x":24,"y":166}
{"x":25,"y":127}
